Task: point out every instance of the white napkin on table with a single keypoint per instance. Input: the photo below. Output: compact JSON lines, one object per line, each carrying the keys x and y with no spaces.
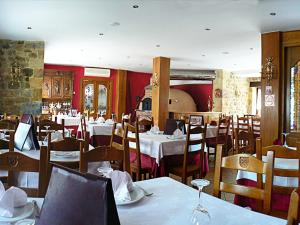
{"x":154,"y":129}
{"x":101,"y":119}
{"x":126,"y":117}
{"x":2,"y":136}
{"x":56,"y":136}
{"x":13,"y":197}
{"x":109,"y":121}
{"x":177,"y":133}
{"x":91,"y":119}
{"x":122,"y":185}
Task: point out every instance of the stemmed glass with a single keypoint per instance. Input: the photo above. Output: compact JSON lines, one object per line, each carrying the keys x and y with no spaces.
{"x":285,"y":143}
{"x":46,"y":138}
{"x":200,"y":215}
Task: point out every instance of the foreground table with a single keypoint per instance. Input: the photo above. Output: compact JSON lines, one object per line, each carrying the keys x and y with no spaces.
{"x":172,"y":204}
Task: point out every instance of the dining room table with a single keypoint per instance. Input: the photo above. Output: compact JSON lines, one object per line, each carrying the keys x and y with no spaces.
{"x":161,"y":152}
{"x":279,"y":201}
{"x":173,"y":203}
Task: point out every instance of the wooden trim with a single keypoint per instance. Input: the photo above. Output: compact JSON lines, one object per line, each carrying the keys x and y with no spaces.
{"x":121,"y":91}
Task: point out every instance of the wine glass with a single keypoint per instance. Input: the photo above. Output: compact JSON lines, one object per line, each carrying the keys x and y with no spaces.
{"x":47,"y":131}
{"x":285,"y":143}
{"x":105,"y":169}
{"x":200,"y":214}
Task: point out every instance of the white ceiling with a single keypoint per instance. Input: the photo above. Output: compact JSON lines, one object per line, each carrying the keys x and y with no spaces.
{"x":70,"y":29}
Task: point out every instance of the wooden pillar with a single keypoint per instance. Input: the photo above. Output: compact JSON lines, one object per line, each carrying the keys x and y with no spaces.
{"x":121,"y":86}
{"x":160,"y":90}
{"x":271,"y":115}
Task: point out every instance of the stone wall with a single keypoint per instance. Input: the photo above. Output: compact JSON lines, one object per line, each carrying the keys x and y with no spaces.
{"x":236,"y":93}
{"x":21,"y":92}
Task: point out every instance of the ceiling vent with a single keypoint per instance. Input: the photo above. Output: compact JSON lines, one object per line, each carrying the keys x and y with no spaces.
{"x":96,"y":72}
{"x":193,"y":74}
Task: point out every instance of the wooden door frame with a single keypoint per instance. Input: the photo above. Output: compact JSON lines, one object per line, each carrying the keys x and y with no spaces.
{"x":107,"y":83}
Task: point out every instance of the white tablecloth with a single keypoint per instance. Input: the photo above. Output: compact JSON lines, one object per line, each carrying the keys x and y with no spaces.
{"x":97,"y":128}
{"x":279,"y":181}
{"x":159,"y":145}
{"x":172,"y":204}
{"x":69,"y":120}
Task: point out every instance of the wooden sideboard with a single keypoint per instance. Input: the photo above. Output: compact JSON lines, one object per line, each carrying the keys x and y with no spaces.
{"x":57,"y":85}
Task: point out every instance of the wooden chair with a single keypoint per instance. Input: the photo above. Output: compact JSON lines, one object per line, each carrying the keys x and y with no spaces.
{"x":243,"y":136}
{"x":9,"y":124}
{"x":281,"y":152}
{"x":255,"y":127}
{"x":18,"y":162}
{"x":222,"y":137}
{"x":68,"y":144}
{"x":249,"y":163}
{"x":105,"y":153}
{"x":188,"y":169}
{"x":117,"y":136}
{"x":125,"y":120}
{"x":144,"y":124}
{"x":293,"y":214}
{"x":52,"y":126}
{"x":137,"y":168}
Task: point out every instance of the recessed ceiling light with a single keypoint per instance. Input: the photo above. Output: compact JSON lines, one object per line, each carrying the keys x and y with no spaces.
{"x":29,"y":28}
{"x":101,"y":34}
{"x":157,"y":46}
{"x":225,"y":53}
{"x":115,"y":24}
{"x":207,"y":29}
{"x":234,"y":64}
{"x":203,"y":55}
{"x":128,"y":57}
{"x":272,"y":14}
{"x":251,"y":49}
{"x":135,"y":6}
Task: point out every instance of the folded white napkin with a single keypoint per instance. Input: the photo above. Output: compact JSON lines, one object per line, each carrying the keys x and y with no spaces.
{"x":177,"y":133}
{"x":56,"y":136}
{"x":154,"y":129}
{"x":101,"y":119}
{"x":13,"y":197}
{"x":2,"y":136}
{"x":122,"y":185}
{"x":109,"y":121}
{"x":126,"y":117}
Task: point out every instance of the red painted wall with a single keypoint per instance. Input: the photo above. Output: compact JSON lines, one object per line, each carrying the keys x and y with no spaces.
{"x":78,"y":74}
{"x":136,"y":83}
{"x":199,"y":93}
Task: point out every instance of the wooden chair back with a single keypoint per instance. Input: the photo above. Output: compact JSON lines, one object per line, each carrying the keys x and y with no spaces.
{"x":52,"y":126}
{"x":9,"y":124}
{"x":255,"y":127}
{"x":67,"y":144}
{"x":144,"y":124}
{"x":117,"y":136}
{"x":194,"y":144}
{"x":125,"y":120}
{"x":134,"y":138}
{"x":243,"y":124}
{"x":105,"y":153}
{"x":293,"y":213}
{"x":248,"y":163}
{"x":222,"y":132}
{"x":17,"y":162}
{"x":281,"y":152}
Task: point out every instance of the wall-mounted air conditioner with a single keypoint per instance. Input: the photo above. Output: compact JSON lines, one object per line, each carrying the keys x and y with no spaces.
{"x":96,"y":72}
